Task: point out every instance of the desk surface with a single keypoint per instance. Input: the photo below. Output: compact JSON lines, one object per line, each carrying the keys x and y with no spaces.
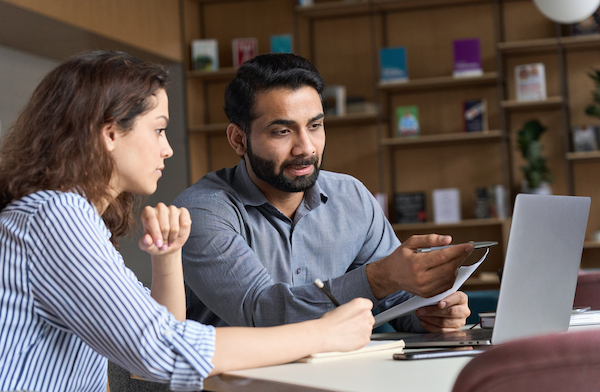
{"x":368,"y":372}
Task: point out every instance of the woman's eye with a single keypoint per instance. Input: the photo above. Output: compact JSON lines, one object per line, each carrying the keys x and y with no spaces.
{"x":161,"y":130}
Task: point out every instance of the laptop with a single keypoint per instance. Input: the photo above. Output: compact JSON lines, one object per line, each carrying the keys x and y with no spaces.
{"x":539,"y":276}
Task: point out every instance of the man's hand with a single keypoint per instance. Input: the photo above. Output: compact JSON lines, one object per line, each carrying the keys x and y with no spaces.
{"x":448,"y":315}
{"x":422,"y":274}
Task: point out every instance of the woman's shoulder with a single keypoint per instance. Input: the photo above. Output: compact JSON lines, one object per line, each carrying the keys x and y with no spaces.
{"x":49,"y":201}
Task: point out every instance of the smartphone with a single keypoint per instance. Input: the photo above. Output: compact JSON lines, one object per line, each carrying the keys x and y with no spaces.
{"x":431,"y":354}
{"x":476,"y":245}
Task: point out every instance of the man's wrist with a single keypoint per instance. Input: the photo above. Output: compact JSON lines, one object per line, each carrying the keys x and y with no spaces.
{"x":378,"y":278}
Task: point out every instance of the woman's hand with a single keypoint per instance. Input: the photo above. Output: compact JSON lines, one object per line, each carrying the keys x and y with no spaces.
{"x":349,"y":326}
{"x":166,"y":229}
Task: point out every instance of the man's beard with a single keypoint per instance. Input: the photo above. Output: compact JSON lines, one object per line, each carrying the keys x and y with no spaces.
{"x":264,"y":169}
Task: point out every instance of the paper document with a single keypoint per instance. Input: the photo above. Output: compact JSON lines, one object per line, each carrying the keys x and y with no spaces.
{"x":396,"y":346}
{"x":417,"y":302}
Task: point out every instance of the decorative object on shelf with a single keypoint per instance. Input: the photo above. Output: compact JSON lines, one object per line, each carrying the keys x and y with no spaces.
{"x":244,"y":49}
{"x":334,"y":100}
{"x":205,"y":54}
{"x":305,"y":3}
{"x":446,"y":205}
{"x":408,"y":121}
{"x":475,"y":115}
{"x":567,"y":11}
{"x":482,"y":204}
{"x":409,"y":207}
{"x":590,"y":25}
{"x":537,"y":175}
{"x":594,"y":108}
{"x":393,"y":64}
{"x":282,"y":43}
{"x":584,"y":138}
{"x":467,"y":58}
{"x":530,"y":82}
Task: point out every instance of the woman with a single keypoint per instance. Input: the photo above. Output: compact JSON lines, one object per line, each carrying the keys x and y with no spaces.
{"x":93,"y":135}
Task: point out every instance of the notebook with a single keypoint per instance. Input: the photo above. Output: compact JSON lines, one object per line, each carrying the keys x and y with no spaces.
{"x":539,"y":276}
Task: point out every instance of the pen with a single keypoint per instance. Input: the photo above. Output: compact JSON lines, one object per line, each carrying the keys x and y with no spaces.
{"x":322,"y":287}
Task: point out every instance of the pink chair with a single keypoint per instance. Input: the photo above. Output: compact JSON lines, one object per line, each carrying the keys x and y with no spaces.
{"x":557,"y":362}
{"x":588,"y":290}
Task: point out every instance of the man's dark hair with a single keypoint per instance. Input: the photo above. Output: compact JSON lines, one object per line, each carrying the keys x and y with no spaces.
{"x":265,"y":72}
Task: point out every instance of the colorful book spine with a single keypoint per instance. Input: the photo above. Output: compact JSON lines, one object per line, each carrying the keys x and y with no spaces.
{"x":393,"y":64}
{"x":244,"y":49}
{"x":467,"y":58}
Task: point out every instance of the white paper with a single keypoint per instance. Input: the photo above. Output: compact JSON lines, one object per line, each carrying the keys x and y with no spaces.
{"x":418,"y":302}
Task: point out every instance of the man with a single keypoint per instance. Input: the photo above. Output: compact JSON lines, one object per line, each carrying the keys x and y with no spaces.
{"x":264,"y":230}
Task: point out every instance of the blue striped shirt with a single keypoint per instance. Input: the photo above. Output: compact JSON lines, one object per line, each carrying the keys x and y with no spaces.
{"x":67,"y":302}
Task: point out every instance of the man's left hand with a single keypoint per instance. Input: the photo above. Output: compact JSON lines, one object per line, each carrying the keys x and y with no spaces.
{"x":450,"y":314}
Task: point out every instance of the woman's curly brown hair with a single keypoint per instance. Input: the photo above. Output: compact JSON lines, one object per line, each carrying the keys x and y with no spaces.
{"x":56,"y":143}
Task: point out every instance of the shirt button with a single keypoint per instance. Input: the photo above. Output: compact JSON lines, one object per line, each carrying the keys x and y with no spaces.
{"x":298,"y":271}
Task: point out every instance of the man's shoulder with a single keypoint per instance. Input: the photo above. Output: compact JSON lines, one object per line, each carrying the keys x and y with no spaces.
{"x":216,"y":185}
{"x":332,"y":182}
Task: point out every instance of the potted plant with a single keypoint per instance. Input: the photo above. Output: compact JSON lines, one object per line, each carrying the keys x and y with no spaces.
{"x":594,"y":109}
{"x":537,"y":175}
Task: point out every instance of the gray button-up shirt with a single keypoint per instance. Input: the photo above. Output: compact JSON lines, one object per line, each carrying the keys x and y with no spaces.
{"x":247,"y":264}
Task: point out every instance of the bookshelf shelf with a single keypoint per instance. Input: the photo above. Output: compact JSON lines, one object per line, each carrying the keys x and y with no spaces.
{"x":488,"y":78}
{"x":220,"y":74}
{"x":550,"y":44}
{"x":584,"y":156}
{"x":464,"y":223}
{"x":549,"y":103}
{"x":457,"y":138}
{"x":591,"y":245}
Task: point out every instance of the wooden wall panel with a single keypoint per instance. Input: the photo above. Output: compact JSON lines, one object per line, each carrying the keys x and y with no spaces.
{"x":344,"y":55}
{"x":428,"y":34}
{"x":151,"y":25}
{"x":587,"y":179}
{"x":523,"y":21}
{"x":353,"y":150}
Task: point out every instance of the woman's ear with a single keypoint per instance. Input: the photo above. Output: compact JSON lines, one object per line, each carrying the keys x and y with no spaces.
{"x":237,"y":139}
{"x":109,"y":135}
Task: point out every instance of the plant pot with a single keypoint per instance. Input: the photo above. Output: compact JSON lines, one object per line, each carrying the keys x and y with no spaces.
{"x":544,"y":188}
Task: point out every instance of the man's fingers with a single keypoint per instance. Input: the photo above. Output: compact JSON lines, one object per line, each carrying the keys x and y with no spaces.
{"x":457,"y":298}
{"x":427,"y":241}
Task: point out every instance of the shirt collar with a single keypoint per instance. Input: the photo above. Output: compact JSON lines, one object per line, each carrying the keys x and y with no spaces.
{"x":251,"y":195}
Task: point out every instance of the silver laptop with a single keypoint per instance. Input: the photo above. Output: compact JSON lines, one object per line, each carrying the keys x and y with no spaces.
{"x":539,"y":275}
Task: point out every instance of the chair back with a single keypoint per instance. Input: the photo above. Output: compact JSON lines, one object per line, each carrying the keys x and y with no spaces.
{"x":587,"y":292}
{"x":557,"y":362}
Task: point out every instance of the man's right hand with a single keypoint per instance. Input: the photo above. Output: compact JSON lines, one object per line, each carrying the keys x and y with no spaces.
{"x":422,"y":274}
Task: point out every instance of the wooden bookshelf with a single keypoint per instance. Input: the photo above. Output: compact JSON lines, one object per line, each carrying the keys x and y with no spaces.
{"x":441,"y":82}
{"x":584,"y":156}
{"x":220,"y":74}
{"x":436,"y":226}
{"x":550,"y":103}
{"x":351,"y":119}
{"x":446,"y":138}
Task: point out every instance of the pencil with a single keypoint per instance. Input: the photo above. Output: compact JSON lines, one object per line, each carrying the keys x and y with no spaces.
{"x":322,"y":287}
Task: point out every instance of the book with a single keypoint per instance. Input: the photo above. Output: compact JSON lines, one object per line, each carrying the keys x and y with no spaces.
{"x":491,"y":202}
{"x":590,"y":25}
{"x":588,"y":317}
{"x":205,"y":54}
{"x":407,"y":118}
{"x":584,"y":138}
{"x":334,"y":100}
{"x":394,"y":346}
{"x":244,"y":49}
{"x":305,"y":3}
{"x":409,"y":207}
{"x":475,"y":115}
{"x":530,"y":80}
{"x":467,"y":58}
{"x":393,"y":64}
{"x":446,"y":205}
{"x":283,"y":43}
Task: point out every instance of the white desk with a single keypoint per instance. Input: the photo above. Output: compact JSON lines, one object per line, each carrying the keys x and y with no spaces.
{"x":369,"y":372}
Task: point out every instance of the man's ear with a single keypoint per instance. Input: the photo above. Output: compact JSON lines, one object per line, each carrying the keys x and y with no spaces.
{"x":109,"y":135}
{"x":237,"y":139}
